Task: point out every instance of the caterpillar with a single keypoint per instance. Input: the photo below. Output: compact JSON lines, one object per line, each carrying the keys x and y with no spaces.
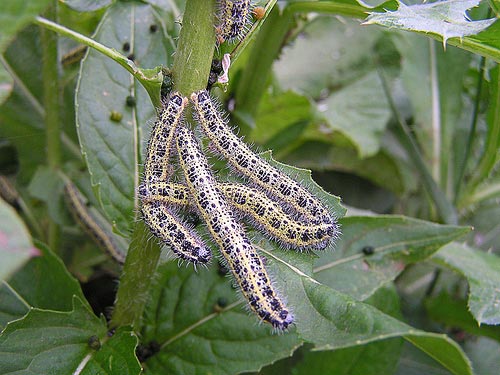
{"x":74,"y":55}
{"x":8,"y":192}
{"x":166,"y":226}
{"x":233,"y":18}
{"x":160,"y":141}
{"x":96,"y":227}
{"x":161,"y":221}
{"x":256,"y":169}
{"x":266,"y":213}
{"x":241,"y":257}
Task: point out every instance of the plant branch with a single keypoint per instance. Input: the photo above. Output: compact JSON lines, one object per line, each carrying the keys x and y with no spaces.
{"x":51,"y":105}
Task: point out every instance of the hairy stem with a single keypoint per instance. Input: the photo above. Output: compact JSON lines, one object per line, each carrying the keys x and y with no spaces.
{"x":191,"y":69}
{"x":51,"y":104}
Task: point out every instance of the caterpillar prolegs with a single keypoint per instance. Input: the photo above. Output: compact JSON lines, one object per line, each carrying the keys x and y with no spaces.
{"x":243,"y":260}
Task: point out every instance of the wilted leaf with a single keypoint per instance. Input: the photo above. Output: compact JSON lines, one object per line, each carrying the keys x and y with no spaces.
{"x":446,"y":18}
{"x":482,"y":271}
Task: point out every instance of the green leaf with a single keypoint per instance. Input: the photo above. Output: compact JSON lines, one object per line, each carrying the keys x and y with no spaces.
{"x":112,"y":148}
{"x":52,"y":342}
{"x":196,"y":339}
{"x":397,"y":242}
{"x":14,"y":15}
{"x":454,"y":314}
{"x":44,"y":283}
{"x":482,"y":271}
{"x":6,"y":83}
{"x":15,"y":241}
{"x":87,"y":5}
{"x":445,"y":18}
{"x":485,"y":355}
{"x":380,"y":357}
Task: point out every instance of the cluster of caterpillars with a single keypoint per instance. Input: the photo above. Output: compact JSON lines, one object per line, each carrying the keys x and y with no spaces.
{"x":275,"y":203}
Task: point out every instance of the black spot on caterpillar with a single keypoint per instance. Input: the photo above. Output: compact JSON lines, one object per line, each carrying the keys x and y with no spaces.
{"x":244,"y":262}
{"x":253,"y":167}
{"x":94,"y":226}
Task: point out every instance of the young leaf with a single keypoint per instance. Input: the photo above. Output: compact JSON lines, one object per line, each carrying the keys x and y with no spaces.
{"x":15,"y":241}
{"x":482,"y":271}
{"x":393,"y":242}
{"x":14,"y":15}
{"x":59,"y":343}
{"x":43,"y":283}
{"x":111,"y":133}
{"x":445,"y":18}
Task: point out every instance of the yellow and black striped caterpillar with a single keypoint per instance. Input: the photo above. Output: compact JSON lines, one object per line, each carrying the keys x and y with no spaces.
{"x":260,"y":209}
{"x":233,"y":16}
{"x":162,"y":221}
{"x":253,"y":167}
{"x":94,"y":225}
{"x":241,"y":257}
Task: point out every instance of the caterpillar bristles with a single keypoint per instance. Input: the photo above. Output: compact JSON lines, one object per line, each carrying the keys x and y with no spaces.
{"x":234,"y":16}
{"x":243,"y":260}
{"x":262,"y":211}
{"x":162,"y":135}
{"x":253,"y":167}
{"x":174,"y":233}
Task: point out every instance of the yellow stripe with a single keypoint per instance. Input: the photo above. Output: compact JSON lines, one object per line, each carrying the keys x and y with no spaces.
{"x":90,"y":224}
{"x":243,"y":260}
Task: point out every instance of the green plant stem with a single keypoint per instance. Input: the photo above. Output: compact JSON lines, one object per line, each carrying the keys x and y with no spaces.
{"x":192,"y":64}
{"x":51,"y":105}
{"x":472,"y":130}
{"x":265,"y":50}
{"x":195,"y":50}
{"x":151,"y":79}
{"x":445,"y":209}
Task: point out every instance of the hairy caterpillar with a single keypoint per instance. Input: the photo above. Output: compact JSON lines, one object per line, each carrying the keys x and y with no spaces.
{"x":166,"y":226}
{"x":162,"y":222}
{"x":233,"y":17}
{"x":160,"y":142}
{"x":243,"y":260}
{"x":265,"y":212}
{"x":93,"y":225}
{"x":250,"y":165}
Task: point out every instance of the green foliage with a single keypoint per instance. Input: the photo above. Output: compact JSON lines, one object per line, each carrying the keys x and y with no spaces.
{"x":371,"y":110}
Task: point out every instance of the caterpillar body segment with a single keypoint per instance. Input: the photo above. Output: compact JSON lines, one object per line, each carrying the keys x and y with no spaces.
{"x":276,"y":222}
{"x":92,"y":225}
{"x":233,"y":16}
{"x":260,"y":209}
{"x":161,"y":139}
{"x":252,"y":166}
{"x":167,"y":192}
{"x":241,"y":257}
{"x":173,"y":232}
